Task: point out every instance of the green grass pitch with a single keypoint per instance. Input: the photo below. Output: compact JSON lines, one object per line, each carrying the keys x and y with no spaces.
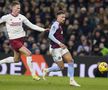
{"x":9,"y":82}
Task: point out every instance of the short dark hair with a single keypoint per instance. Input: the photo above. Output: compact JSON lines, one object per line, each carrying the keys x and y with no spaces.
{"x":60,"y":12}
{"x":15,"y":3}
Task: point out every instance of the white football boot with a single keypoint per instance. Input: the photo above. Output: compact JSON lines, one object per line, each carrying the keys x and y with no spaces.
{"x":74,"y":83}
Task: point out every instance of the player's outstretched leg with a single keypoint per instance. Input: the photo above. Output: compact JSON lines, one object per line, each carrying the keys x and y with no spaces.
{"x":28,"y":54}
{"x":70,"y":71}
{"x":30,"y":65}
{"x":71,"y":74}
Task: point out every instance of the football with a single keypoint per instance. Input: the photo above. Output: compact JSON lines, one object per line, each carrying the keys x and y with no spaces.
{"x":103,"y":67}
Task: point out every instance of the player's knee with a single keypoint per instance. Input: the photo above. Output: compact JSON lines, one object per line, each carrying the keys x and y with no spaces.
{"x":70,"y":60}
{"x":29,"y":54}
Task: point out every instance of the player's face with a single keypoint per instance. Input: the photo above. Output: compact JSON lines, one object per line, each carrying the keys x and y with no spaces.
{"x":61,"y":18}
{"x":16,"y":9}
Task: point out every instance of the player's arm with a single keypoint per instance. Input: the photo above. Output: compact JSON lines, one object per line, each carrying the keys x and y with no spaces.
{"x":2,"y":19}
{"x":32,"y":26}
{"x":52,"y":31}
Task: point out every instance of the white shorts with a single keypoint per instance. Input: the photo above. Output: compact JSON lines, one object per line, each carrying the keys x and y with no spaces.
{"x":58,"y":53}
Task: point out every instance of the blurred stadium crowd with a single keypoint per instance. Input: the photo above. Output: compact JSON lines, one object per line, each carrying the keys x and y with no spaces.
{"x":85,"y":29}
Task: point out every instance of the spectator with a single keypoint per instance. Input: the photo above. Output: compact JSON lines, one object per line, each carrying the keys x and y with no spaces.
{"x":84,"y":18}
{"x":83,"y":48}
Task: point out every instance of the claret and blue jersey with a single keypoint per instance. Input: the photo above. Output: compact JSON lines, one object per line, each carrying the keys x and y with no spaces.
{"x":56,"y":35}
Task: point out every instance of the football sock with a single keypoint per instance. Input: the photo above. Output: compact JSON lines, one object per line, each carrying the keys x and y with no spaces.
{"x":7,"y":60}
{"x":54,"y":68}
{"x":71,"y":70}
{"x":30,"y":65}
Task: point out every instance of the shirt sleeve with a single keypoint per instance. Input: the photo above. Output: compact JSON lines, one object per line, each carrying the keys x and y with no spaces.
{"x":52,"y":31}
{"x":2,"y":19}
{"x":32,"y":26}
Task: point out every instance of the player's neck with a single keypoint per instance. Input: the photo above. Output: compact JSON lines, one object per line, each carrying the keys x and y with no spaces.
{"x":58,"y":21}
{"x":15,"y":15}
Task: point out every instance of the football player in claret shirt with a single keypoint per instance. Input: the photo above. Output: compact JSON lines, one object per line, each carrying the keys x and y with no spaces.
{"x":59,"y":50}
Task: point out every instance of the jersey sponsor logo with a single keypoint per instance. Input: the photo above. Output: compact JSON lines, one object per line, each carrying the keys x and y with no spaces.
{"x":15,"y":24}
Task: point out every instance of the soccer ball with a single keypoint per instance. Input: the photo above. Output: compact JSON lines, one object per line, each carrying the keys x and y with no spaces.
{"x":103,"y":66}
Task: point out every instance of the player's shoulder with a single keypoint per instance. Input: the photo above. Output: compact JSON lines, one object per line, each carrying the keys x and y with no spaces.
{"x":5,"y":16}
{"x":55,"y":23}
{"x":21,"y":15}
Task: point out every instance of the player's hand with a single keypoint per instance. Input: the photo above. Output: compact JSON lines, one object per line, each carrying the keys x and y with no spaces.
{"x":62,"y":45}
{"x":47,"y":30}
